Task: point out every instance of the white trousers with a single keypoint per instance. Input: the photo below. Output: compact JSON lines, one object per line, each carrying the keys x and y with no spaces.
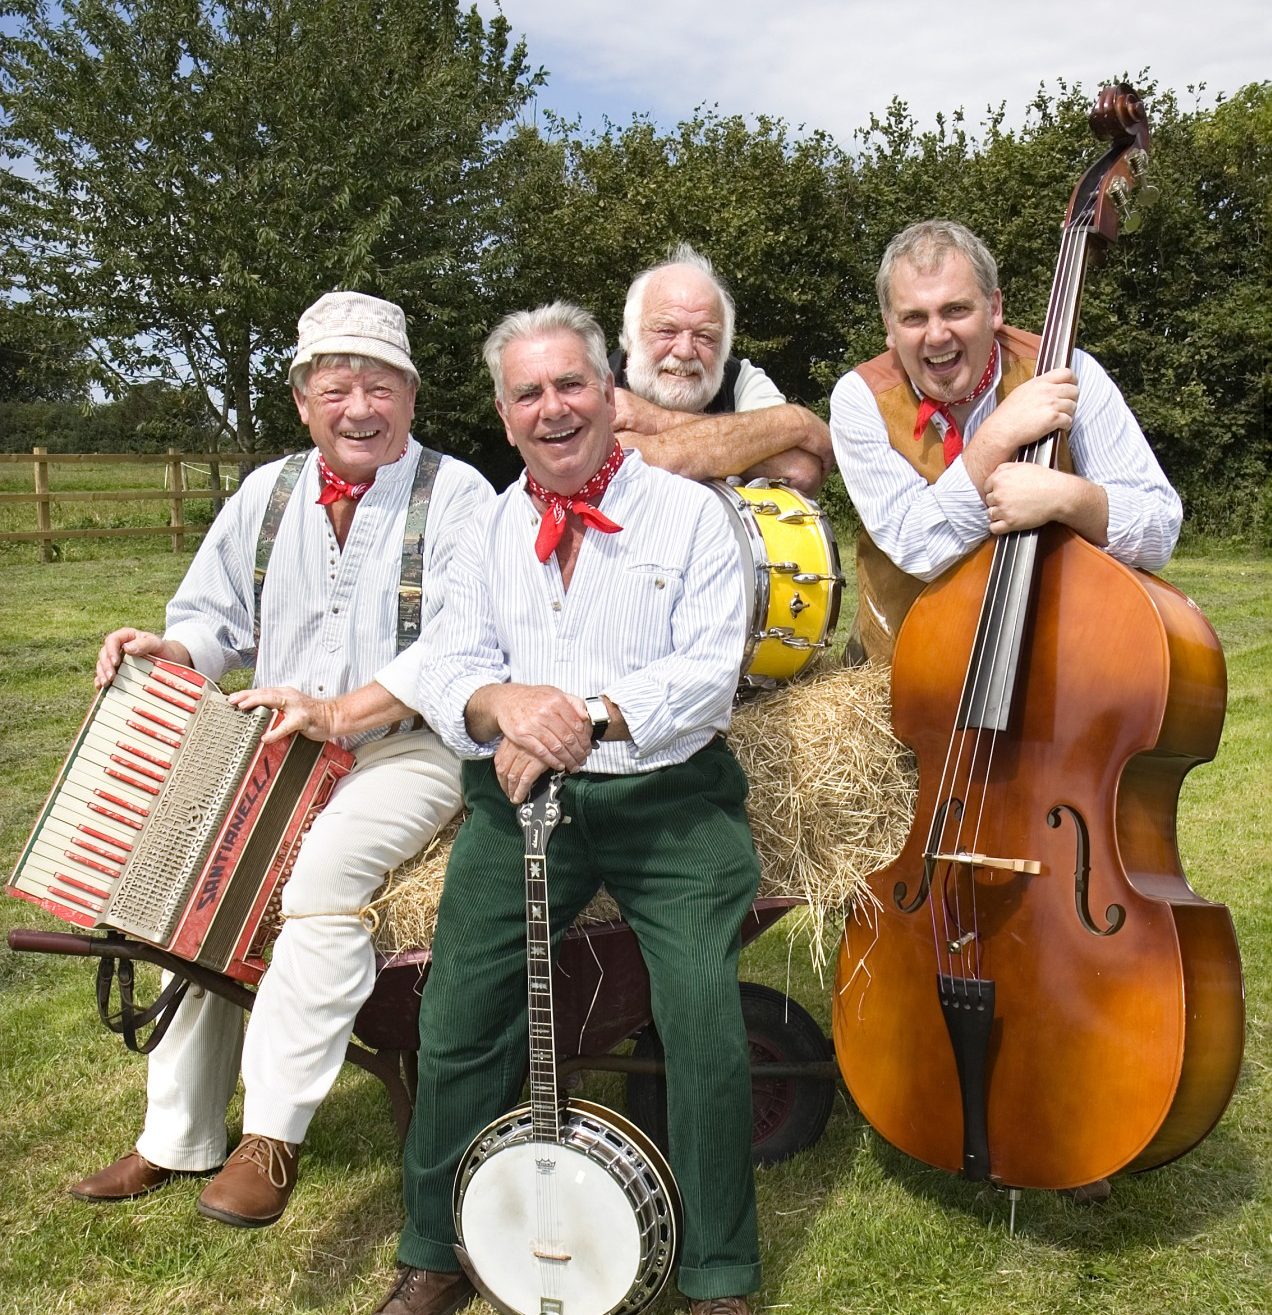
{"x":401,"y":791}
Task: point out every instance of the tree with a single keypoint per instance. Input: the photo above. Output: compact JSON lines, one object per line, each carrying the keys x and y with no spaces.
{"x":197,"y":171}
{"x":40,"y":357}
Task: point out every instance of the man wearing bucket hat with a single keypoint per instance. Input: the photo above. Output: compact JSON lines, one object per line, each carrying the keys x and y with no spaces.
{"x":352,"y":533}
{"x":690,"y":406}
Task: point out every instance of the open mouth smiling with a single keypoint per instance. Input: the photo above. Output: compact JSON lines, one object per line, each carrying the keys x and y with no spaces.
{"x":559,"y":435}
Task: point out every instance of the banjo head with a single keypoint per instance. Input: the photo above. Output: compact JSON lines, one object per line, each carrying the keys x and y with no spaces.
{"x":588,"y":1225}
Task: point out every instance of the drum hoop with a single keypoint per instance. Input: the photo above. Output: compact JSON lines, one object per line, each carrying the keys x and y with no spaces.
{"x":749,"y":536}
{"x":639,"y":1171}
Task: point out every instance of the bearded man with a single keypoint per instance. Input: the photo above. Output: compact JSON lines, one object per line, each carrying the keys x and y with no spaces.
{"x":691,"y":407}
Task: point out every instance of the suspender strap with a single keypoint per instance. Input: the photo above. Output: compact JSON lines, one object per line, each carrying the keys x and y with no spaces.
{"x":410,"y":582}
{"x":284,"y":485}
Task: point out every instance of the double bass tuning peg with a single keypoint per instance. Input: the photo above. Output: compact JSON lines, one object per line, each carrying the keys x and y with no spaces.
{"x":1146,"y":193}
{"x":1120,"y":195}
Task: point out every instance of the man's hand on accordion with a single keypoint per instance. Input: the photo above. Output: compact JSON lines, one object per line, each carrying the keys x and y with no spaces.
{"x":324,"y":719}
{"x":313,"y":718}
{"x":140,"y":643}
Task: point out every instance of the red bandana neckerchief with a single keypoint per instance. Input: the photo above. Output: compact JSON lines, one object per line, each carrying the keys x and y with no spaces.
{"x":953,"y":442}
{"x":552,"y":526}
{"x":334,"y":488}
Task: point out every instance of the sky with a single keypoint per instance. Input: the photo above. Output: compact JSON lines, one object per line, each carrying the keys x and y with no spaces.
{"x":822,"y":64}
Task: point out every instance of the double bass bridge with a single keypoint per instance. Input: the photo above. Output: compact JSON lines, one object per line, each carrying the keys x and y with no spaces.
{"x":1028,"y":866}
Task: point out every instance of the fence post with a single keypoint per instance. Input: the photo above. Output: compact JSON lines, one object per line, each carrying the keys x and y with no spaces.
{"x":43,"y":520}
{"x":176,"y":487}
{"x":214,"y":478}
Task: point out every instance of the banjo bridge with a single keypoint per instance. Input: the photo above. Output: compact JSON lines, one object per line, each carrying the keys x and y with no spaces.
{"x":561,"y":1257}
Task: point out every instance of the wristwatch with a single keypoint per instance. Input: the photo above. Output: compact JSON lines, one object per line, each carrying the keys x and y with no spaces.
{"x":599,"y":715}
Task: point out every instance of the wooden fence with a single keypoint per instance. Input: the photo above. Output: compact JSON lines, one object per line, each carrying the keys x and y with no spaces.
{"x":175,"y":493}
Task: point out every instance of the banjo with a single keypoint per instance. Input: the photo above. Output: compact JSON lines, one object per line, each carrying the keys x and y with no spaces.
{"x":561,"y":1207}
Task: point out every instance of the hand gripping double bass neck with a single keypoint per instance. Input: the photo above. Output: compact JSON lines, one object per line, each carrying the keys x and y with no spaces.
{"x":1041,"y":999}
{"x":561,"y":1208}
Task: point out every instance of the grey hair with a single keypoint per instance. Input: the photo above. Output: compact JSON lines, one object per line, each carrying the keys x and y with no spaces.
{"x":556,"y":317}
{"x":925,"y":246}
{"x":679,"y":254}
{"x":343,"y":361}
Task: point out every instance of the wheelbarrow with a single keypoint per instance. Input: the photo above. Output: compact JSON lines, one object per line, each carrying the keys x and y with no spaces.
{"x":601,"y":1000}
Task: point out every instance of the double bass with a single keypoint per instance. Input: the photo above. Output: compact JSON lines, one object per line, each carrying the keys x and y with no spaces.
{"x":1039,"y":998}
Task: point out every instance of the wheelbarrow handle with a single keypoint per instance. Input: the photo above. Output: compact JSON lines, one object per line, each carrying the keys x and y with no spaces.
{"x":116,"y":947}
{"x":51,"y":942}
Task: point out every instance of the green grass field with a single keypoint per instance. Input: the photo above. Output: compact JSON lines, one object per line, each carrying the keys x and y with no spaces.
{"x":849,"y":1226}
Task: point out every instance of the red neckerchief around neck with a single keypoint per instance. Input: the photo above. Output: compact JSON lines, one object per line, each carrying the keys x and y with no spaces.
{"x":552,"y":526}
{"x":953,"y":443}
{"x":334,"y":488}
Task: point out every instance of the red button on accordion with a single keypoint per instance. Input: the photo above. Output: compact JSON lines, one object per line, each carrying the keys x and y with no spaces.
{"x":170,"y":821}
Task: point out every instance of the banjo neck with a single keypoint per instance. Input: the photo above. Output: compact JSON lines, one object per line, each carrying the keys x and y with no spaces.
{"x":539,"y":816}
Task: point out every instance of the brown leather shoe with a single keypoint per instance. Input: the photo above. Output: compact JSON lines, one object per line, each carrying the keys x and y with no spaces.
{"x":720,"y":1306}
{"x":426,"y":1292}
{"x":254,"y":1187}
{"x":133,"y":1175}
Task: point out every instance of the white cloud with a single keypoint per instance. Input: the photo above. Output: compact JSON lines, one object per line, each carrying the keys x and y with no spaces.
{"x":830,"y":65}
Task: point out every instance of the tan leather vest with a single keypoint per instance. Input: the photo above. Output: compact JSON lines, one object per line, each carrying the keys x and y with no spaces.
{"x":884,"y":591}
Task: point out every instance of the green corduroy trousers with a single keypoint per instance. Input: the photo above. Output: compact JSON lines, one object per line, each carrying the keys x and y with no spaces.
{"x":674,"y":849}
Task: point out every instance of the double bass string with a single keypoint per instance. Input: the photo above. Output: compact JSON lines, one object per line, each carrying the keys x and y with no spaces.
{"x":1012,"y":554}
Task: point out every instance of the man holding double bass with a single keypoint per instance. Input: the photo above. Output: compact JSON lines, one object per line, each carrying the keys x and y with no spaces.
{"x":926,"y":436}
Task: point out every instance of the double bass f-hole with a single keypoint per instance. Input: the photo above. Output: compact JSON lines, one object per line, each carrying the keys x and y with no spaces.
{"x":1115,"y":913}
{"x":952,"y":808}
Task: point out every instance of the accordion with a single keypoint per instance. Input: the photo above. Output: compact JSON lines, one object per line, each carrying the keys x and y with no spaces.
{"x":172,"y":822}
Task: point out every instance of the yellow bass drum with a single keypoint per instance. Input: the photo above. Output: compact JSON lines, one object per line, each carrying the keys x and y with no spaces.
{"x":794,"y":581}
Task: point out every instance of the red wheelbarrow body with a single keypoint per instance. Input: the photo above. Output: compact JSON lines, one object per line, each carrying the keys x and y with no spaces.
{"x":600,"y":997}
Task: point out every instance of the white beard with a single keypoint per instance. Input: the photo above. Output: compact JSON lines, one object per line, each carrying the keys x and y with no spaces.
{"x":689,"y":390}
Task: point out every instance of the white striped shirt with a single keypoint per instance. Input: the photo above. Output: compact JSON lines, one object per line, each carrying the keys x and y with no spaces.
{"x":653,"y":618}
{"x":925,"y":528}
{"x":328,"y":617}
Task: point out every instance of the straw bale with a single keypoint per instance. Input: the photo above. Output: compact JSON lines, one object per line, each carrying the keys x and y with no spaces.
{"x":832,"y":792}
{"x":831,"y":800}
{"x":405,"y":910}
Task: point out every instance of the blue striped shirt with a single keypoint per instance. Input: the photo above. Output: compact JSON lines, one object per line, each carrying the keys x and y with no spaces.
{"x":925,"y":528}
{"x":328,"y":616}
{"x":654,"y":619}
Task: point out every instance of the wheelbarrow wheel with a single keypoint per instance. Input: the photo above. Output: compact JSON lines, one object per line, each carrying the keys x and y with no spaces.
{"x":788,"y":1114}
